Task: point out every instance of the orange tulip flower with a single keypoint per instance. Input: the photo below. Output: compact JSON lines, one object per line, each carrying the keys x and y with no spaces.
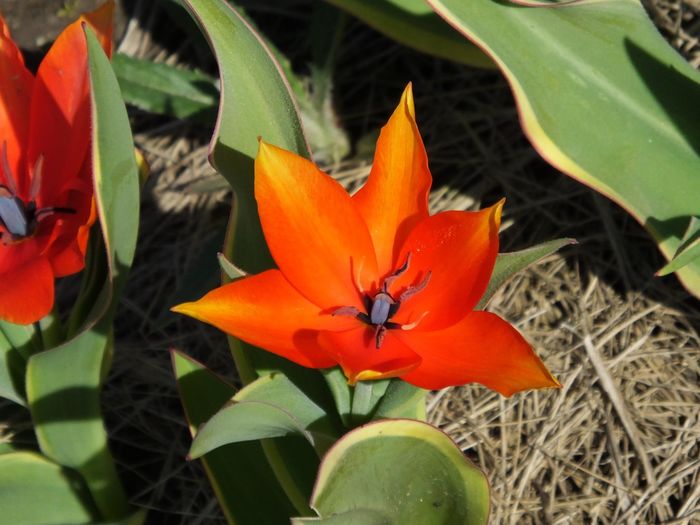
{"x":46,"y":192}
{"x":372,"y":282}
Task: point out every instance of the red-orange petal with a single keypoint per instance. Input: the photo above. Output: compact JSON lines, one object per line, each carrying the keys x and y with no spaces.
{"x":315,"y":234}
{"x":356,"y":352}
{"x":459,"y":250}
{"x":26,"y":290}
{"x":395,"y":197}
{"x":266,"y":311}
{"x":60,"y":109}
{"x":15,"y":95}
{"x":68,"y":240}
{"x":481,"y":348}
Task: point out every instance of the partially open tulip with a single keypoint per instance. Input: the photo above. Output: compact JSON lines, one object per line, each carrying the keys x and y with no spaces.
{"x":372,"y":282}
{"x":46,"y":191}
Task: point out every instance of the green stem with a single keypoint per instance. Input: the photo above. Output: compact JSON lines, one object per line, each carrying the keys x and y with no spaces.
{"x":361,"y":401}
{"x":50,"y":330}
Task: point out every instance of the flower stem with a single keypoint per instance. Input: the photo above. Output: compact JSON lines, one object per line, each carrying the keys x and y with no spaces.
{"x":50,"y":330}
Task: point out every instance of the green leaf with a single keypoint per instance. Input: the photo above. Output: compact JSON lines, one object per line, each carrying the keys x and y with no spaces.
{"x":231,"y":271}
{"x":271,"y":406}
{"x":353,"y":517}
{"x":167,"y":90}
{"x":688,"y":251}
{"x":402,"y":400}
{"x":510,"y":263}
{"x":631,"y":133}
{"x":255,"y":102}
{"x":243,"y":482}
{"x":116,"y":180}
{"x":398,"y":472}
{"x":115,"y":171}
{"x":63,"y":390}
{"x":341,"y":392}
{"x":35,"y":491}
{"x":413,"y":24}
{"x":22,"y":338}
{"x":63,"y":383}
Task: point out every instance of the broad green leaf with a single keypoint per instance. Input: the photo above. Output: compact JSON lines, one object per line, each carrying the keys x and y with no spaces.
{"x":398,"y":472}
{"x":402,"y":400}
{"x":688,"y":251}
{"x":352,"y":517}
{"x":160,"y":88}
{"x":35,"y":491}
{"x":272,"y":406}
{"x":63,"y":383}
{"x":115,"y":172}
{"x":413,"y":24}
{"x":116,"y":180}
{"x":12,"y":366}
{"x":7,"y":448}
{"x":22,"y":338}
{"x":255,"y":102}
{"x":243,"y":482}
{"x":604,"y":99}
{"x":63,"y":390}
{"x":510,"y":263}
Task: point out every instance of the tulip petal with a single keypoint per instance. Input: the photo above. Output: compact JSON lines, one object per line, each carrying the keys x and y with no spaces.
{"x":356,"y":352}
{"x":15,"y":95}
{"x":395,"y":197}
{"x":481,"y":348}
{"x":26,"y":288}
{"x":459,"y":250}
{"x":266,"y":311}
{"x":315,"y":234}
{"x":67,"y":244}
{"x":60,"y":109}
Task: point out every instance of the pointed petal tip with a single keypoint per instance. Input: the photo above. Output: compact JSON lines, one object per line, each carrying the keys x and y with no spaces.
{"x":498,"y":210}
{"x":548,"y":382}
{"x":266,"y":151}
{"x":190,"y":309}
{"x":407,"y":100}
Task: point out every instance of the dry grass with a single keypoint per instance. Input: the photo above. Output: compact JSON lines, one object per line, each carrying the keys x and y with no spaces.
{"x":617,"y":444}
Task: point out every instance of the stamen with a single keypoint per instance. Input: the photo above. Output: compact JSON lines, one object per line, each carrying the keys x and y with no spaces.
{"x":47,"y":212}
{"x":358,"y":274}
{"x":413,"y":290}
{"x":350,"y":311}
{"x":415,"y":323}
{"x":11,"y":184}
{"x":397,"y":273}
{"x":36,"y":178}
{"x":379,"y":334}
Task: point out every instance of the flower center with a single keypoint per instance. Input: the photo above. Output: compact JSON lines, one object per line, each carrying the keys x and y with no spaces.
{"x":18,"y":219}
{"x":381,"y":307}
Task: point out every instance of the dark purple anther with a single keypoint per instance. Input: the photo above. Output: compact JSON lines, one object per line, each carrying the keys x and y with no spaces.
{"x":380,"y":308}
{"x":383,"y":306}
{"x":19,"y":220}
